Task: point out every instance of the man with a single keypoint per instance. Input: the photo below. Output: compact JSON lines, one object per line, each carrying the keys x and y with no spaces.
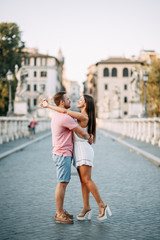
{"x":62,"y":126}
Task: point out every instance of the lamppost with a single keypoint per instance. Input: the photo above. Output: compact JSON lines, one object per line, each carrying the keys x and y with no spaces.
{"x":145,"y":79}
{"x":10,"y":77}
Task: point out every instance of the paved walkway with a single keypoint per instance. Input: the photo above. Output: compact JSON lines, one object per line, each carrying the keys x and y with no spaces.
{"x":150,"y":152}
{"x":152,"y":149}
{"x":9,"y":147}
{"x":127,"y":182}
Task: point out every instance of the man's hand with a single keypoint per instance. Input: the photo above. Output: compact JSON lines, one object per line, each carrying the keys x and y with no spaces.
{"x":44,"y":103}
{"x":90,"y":140}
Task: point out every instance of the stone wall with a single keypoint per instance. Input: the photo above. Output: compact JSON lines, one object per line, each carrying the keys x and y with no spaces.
{"x":12,"y":128}
{"x":143,"y":129}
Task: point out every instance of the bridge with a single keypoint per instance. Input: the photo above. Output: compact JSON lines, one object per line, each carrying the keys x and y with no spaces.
{"x":128,"y":182}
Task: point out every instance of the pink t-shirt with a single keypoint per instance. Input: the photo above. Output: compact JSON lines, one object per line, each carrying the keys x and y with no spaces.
{"x":62,"y":141}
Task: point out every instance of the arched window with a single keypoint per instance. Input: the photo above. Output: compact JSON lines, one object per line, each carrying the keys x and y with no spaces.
{"x":125,"y":72}
{"x":114,"y":72}
{"x":106,"y":72}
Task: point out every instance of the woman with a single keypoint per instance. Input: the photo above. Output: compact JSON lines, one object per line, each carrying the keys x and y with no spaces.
{"x":83,"y":154}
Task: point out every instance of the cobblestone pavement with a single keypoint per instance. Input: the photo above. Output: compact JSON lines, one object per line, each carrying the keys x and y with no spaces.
{"x":18,"y":142}
{"x":147,"y":147}
{"x":127,"y":182}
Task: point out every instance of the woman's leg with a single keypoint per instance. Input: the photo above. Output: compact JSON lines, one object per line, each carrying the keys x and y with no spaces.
{"x":85,"y":176}
{"x":85,"y":195}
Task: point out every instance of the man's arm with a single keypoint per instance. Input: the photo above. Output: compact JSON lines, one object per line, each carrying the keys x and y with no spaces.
{"x":83,"y":133}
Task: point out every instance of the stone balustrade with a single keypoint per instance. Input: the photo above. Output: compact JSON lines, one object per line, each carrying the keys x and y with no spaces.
{"x":143,"y":129}
{"x":12,"y":128}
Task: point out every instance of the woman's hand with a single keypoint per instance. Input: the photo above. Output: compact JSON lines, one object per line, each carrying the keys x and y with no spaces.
{"x":44,"y":103}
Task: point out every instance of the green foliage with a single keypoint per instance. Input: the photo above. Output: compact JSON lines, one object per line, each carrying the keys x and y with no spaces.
{"x":11,"y":54}
{"x":3,"y":97}
{"x":153,"y":90}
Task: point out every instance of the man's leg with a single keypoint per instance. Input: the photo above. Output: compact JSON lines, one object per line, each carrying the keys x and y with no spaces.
{"x":63,"y":167}
{"x":59,"y":196}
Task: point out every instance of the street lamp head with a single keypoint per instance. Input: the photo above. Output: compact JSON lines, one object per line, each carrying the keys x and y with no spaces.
{"x":9,"y":75}
{"x":145,"y":77}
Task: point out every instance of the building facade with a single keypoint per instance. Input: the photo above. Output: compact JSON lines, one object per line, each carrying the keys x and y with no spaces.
{"x":44,"y":78}
{"x":148,"y":56}
{"x":114,"y":85}
{"x":73,"y":90}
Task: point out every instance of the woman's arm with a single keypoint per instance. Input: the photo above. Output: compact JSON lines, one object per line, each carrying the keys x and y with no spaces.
{"x":79,"y":116}
{"x":44,"y":103}
{"x":58,"y":109}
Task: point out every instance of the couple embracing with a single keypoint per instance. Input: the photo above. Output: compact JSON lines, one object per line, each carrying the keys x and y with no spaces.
{"x":72,"y":136}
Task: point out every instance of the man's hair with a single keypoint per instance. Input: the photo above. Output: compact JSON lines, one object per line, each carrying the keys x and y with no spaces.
{"x":58,"y":97}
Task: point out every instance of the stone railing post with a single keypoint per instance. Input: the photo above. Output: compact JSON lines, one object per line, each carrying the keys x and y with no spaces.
{"x":139,"y":129}
{"x":156,"y":132}
{"x":5,"y":136}
{"x":143,"y":130}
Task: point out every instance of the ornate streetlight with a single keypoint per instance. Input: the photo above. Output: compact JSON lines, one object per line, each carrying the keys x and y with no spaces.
{"x":10,"y":78}
{"x":145,"y":79}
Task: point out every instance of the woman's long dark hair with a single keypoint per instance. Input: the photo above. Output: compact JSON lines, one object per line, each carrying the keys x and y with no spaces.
{"x":90,"y":109}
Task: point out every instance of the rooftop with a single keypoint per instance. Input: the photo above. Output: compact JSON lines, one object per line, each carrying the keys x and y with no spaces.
{"x":118,"y":60}
{"x":33,"y":52}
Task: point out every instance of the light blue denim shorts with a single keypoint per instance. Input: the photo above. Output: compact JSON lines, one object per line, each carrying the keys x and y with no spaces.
{"x":63,"y":167}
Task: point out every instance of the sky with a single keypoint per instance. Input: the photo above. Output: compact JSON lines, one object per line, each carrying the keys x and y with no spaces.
{"x":86,"y":31}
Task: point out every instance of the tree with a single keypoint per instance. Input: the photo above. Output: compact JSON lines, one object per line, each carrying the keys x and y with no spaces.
{"x":11,"y":53}
{"x":153,"y":90}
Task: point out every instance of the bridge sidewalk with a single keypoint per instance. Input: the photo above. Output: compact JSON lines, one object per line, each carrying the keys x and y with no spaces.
{"x":16,"y":145}
{"x":151,"y":152}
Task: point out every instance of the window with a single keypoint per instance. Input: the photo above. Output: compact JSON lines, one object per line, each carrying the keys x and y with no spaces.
{"x":35,"y":61}
{"x":125,"y":100}
{"x":105,"y":86}
{"x":125,"y":72}
{"x":114,"y":72}
{"x":34,"y":101}
{"x":106,"y":72}
{"x":35,"y":87}
{"x":35,"y":74}
{"x":29,"y":103}
{"x":28,"y":87}
{"x":43,"y":86}
{"x":125,"y":113}
{"x":43,"y":61}
{"x":43,"y":74}
{"x":26,"y":61}
{"x":125,"y":86}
